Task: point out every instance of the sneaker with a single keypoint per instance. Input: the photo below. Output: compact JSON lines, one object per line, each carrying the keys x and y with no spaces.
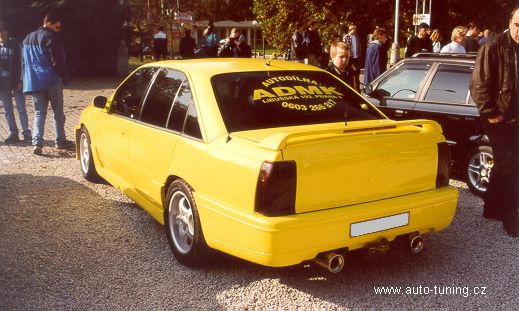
{"x":27,"y":138}
{"x":67,"y":144}
{"x":37,"y":150}
{"x":12,"y":139}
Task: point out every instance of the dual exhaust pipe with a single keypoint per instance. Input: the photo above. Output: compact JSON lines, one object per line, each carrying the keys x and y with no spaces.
{"x":334,"y":262}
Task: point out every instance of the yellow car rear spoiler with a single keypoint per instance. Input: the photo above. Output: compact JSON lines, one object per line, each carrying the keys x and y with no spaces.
{"x":278,"y":141}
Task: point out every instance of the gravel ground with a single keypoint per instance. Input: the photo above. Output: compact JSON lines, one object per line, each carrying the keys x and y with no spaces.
{"x":69,"y":244}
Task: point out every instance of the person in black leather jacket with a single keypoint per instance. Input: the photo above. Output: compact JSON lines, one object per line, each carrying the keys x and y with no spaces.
{"x":232,"y":46}
{"x":495,"y":89}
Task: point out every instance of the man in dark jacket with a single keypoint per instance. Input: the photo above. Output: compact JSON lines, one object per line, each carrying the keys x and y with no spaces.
{"x":187,"y":45}
{"x":44,"y":74}
{"x":420,"y":42}
{"x":376,"y":56}
{"x":313,"y":41}
{"x":234,"y":47}
{"x":470,"y":43}
{"x":298,"y":48}
{"x":495,"y":89}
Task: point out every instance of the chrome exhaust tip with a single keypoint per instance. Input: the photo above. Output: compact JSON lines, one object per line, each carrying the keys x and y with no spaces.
{"x":330,"y":261}
{"x":416,"y":243}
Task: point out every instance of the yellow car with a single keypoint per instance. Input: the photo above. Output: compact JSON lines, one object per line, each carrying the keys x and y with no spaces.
{"x":275,"y":162}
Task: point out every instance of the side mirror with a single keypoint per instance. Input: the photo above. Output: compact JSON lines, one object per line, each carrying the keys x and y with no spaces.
{"x":381,"y":93}
{"x":100,"y":101}
{"x":368,"y":90}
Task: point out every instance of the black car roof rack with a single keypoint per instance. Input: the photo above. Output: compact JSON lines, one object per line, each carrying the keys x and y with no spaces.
{"x":471,"y":55}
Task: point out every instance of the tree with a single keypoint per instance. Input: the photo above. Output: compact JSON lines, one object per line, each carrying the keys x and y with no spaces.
{"x":278,"y":16}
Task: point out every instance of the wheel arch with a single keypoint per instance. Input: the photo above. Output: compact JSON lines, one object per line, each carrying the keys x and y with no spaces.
{"x":164,"y":190}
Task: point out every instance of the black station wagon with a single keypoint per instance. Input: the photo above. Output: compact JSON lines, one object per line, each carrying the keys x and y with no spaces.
{"x":436,"y":86}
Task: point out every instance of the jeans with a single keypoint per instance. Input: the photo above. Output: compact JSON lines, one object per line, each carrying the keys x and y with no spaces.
{"x":41,"y":100}
{"x":6,"y":92}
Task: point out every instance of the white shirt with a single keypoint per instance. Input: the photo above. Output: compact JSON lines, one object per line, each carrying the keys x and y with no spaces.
{"x":453,"y":47}
{"x":160,"y":35}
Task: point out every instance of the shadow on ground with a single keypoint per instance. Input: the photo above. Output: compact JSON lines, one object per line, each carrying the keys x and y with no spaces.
{"x":67,"y":246}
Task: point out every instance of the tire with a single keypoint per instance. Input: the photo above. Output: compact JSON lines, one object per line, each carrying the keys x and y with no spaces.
{"x":183,"y":228}
{"x":85,"y":157}
{"x":478,"y":167}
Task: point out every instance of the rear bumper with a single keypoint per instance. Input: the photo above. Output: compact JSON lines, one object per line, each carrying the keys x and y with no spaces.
{"x":289,"y":240}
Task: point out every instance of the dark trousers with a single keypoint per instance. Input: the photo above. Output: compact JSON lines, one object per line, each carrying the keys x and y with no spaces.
{"x":161,"y":53}
{"x":501,"y":198}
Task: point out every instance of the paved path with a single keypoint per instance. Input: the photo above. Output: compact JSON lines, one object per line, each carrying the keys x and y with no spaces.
{"x":76,"y":96}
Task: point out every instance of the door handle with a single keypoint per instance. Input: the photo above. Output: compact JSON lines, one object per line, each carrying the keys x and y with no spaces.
{"x":400,"y":113}
{"x":454,"y":118}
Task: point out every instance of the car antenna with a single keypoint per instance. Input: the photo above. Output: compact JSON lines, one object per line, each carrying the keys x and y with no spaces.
{"x":273,"y":56}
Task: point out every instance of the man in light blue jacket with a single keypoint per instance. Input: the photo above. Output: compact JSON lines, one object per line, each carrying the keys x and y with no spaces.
{"x":44,"y":74}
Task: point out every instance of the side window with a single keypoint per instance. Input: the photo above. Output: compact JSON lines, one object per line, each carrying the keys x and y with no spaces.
{"x":404,"y":82}
{"x":191,"y":128}
{"x":128,"y":97}
{"x":160,"y":98}
{"x":179,"y":111}
{"x":183,"y":117}
{"x":450,"y":84}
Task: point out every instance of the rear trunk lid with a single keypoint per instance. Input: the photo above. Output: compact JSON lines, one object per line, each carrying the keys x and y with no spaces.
{"x":346,"y":164}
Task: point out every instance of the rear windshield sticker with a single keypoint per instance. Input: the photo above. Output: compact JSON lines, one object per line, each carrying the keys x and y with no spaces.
{"x":303,"y":94}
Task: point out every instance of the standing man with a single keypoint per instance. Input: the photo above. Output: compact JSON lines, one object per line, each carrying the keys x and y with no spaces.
{"x":233,"y":47}
{"x":420,"y":42}
{"x":210,"y":41}
{"x":44,"y":74}
{"x":11,"y":82}
{"x":187,"y":45}
{"x":353,"y":41}
{"x":342,"y":65}
{"x":471,"y":41}
{"x":376,"y":56}
{"x":314,"y":43}
{"x":160,"y":44}
{"x":495,"y":89}
{"x":298,"y":47}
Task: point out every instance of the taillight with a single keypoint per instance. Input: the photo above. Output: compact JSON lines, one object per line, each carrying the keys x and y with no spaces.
{"x":444,"y":161}
{"x":276,"y":188}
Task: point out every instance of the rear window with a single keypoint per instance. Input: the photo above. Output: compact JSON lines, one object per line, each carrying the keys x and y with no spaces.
{"x":256,"y":100}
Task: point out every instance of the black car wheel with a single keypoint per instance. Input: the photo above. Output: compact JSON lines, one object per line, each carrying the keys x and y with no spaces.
{"x":479,"y":166}
{"x":183,"y":228}
{"x":85,"y":157}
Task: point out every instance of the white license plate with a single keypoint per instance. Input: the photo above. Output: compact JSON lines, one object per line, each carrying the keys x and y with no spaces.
{"x":379,"y":224}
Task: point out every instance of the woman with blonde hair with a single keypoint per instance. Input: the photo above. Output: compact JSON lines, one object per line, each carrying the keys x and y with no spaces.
{"x":436,"y":38}
{"x":458,"y":34}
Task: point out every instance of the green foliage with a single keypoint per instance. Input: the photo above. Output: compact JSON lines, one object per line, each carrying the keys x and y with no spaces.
{"x":278,"y":16}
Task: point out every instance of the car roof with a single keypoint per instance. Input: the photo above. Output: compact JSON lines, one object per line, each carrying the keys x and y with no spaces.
{"x":468,"y":58}
{"x":212,"y":66}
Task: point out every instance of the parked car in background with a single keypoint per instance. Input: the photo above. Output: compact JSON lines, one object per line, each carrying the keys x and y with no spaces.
{"x":274,"y":162}
{"x":436,"y":86}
